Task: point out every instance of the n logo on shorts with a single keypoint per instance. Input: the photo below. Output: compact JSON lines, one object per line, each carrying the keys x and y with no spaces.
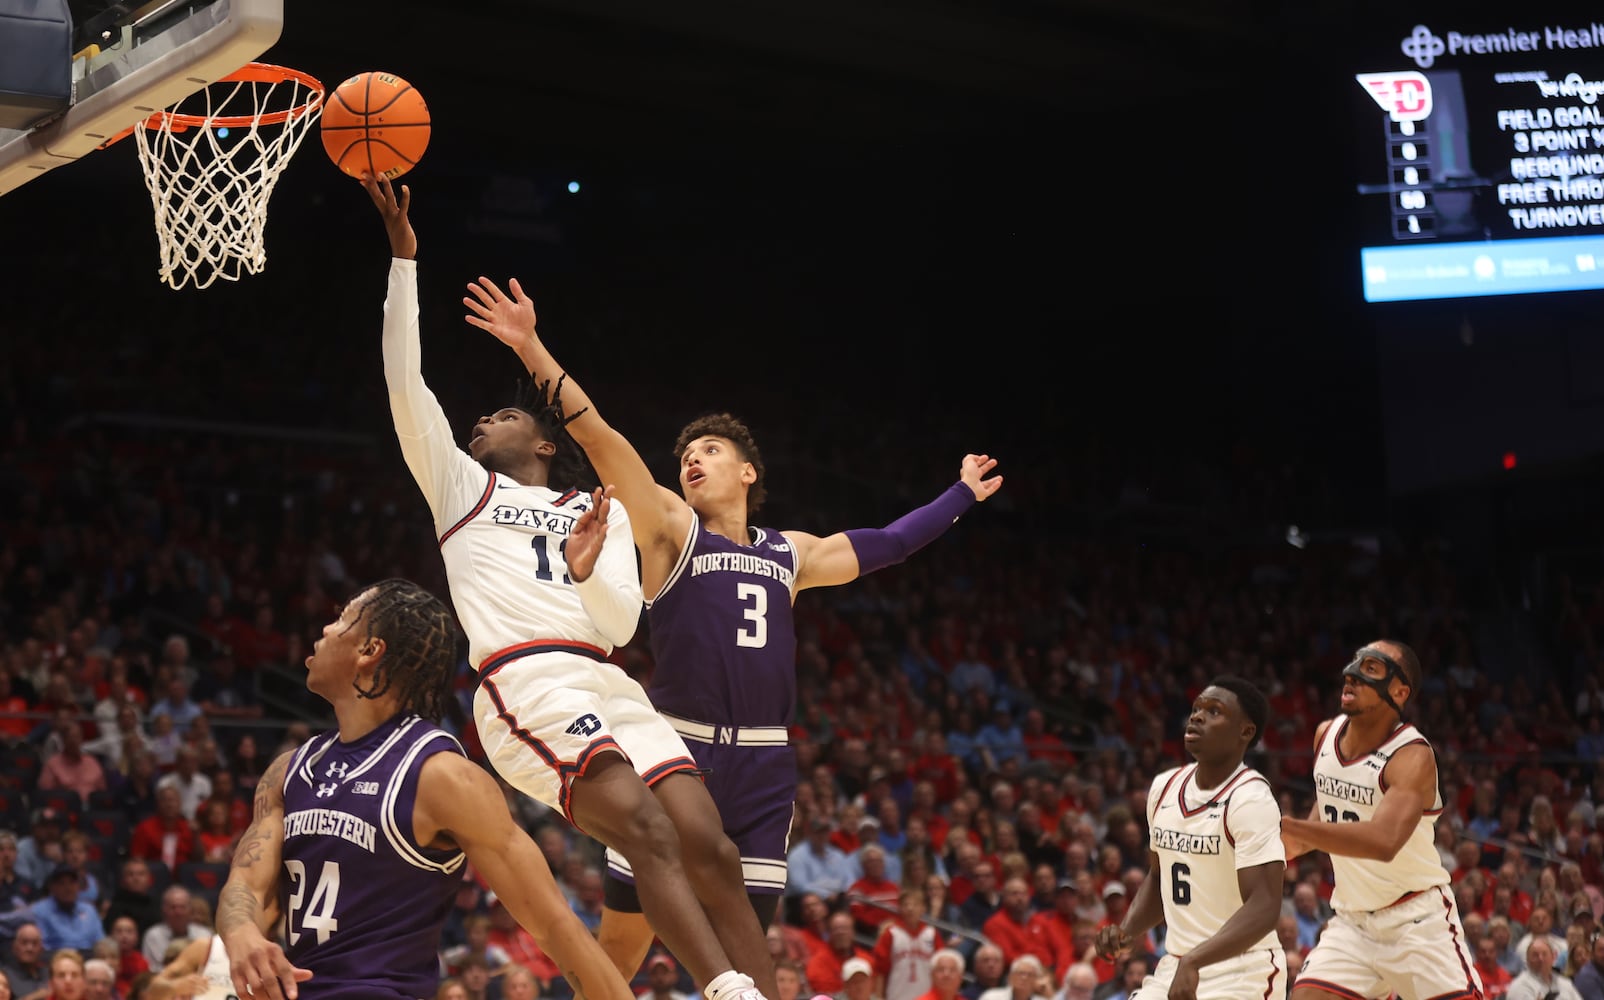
{"x":584,"y":725}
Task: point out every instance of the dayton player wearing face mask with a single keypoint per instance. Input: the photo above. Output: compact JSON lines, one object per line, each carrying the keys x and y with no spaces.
{"x":1396,"y":927}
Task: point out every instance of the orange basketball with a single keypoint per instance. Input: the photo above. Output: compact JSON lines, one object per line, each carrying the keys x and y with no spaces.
{"x":375,"y":123}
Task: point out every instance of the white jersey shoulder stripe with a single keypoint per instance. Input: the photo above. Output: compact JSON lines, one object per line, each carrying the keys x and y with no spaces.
{"x":394,"y":832}
{"x":473,"y":512}
{"x":684,"y":560}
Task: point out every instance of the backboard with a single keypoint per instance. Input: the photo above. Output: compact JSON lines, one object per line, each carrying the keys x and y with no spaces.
{"x":154,"y":56}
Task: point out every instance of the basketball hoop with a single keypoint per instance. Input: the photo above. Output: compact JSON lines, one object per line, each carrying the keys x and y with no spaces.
{"x":211,"y":162}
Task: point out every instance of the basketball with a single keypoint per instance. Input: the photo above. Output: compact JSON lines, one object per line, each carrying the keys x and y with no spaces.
{"x":375,"y":123}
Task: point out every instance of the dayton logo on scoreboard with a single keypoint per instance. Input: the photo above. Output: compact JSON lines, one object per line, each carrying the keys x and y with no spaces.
{"x":1404,"y":95}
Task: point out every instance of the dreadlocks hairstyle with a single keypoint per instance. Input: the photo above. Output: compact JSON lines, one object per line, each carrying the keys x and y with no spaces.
{"x":737,"y":433}
{"x":543,"y":402}
{"x":1254,"y":704}
{"x":420,"y":646}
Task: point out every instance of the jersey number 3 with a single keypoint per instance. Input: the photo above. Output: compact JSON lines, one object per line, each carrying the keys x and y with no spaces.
{"x":754,"y":601}
{"x":319,"y":916}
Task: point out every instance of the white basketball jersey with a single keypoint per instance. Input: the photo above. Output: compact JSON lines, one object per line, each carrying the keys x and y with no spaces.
{"x":1348,"y":791}
{"x":502,"y":543}
{"x":1202,"y":837}
{"x":219,"y":981}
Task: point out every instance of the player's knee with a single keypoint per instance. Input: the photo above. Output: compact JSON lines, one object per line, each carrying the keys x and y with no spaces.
{"x":646,"y":836}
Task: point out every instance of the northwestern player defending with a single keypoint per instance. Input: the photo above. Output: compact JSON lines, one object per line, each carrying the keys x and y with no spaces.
{"x":719,"y":610}
{"x":1376,"y":800}
{"x":360,"y":835}
{"x":545,"y":583}
{"x":1215,"y":862}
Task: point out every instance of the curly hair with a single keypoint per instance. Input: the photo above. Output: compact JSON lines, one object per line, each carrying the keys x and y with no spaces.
{"x":543,"y":402}
{"x":731,"y":429}
{"x":421,"y":646}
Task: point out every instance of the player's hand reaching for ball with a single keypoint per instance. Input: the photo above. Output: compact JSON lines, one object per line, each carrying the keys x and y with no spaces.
{"x":587,"y":535}
{"x":973,"y":471}
{"x":509,"y":318}
{"x":1112,"y":941}
{"x":393,"y":210}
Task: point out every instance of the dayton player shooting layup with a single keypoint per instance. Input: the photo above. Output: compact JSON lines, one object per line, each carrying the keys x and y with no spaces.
{"x":1215,"y":862}
{"x":1396,"y":926}
{"x":720,"y":608}
{"x":545,"y":583}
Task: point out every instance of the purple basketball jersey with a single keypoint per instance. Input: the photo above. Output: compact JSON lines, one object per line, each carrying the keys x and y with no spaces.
{"x":722,"y":632}
{"x":364,"y":903}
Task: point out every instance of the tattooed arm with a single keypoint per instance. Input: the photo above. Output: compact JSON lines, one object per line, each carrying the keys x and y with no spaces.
{"x":459,"y":804}
{"x":249,"y":899}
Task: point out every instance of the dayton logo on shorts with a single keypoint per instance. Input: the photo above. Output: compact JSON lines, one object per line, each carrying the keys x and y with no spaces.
{"x":584,"y":725}
{"x":1405,"y":96}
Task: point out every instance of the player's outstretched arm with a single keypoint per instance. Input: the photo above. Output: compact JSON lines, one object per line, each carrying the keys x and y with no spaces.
{"x":458,"y":800}
{"x":1410,"y":778}
{"x":846,"y":555}
{"x":249,"y":899}
{"x":656,"y":514}
{"x":1144,"y":913}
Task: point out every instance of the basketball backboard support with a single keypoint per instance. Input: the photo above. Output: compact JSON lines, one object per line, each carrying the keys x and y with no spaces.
{"x":157,"y":55}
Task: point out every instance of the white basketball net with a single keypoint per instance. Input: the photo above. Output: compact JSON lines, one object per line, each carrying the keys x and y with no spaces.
{"x":210,"y":189}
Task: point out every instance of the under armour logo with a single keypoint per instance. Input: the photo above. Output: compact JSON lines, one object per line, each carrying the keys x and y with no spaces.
{"x":338,"y":769}
{"x":327,"y":789}
{"x":1423,"y":47}
{"x":584,"y":725}
{"x":1404,"y":96}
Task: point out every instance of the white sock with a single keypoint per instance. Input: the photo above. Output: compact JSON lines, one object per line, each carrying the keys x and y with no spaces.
{"x":726,"y":984}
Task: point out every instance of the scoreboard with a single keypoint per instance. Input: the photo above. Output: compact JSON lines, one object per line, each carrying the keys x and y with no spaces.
{"x":1481,"y":157}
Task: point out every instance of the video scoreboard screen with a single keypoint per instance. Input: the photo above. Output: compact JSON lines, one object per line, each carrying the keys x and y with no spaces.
{"x":1481,"y":158}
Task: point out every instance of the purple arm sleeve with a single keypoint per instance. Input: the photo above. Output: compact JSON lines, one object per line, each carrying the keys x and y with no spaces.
{"x":878,"y":548}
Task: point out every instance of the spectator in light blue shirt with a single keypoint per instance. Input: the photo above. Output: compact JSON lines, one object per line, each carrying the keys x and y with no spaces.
{"x":1002,"y":738}
{"x":177,"y":705}
{"x":818,"y":866}
{"x":64,"y":920}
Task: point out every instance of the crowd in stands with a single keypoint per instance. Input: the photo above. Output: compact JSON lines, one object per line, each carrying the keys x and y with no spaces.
{"x":975,"y":734}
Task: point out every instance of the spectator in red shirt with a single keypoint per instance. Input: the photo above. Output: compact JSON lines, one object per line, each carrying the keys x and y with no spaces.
{"x":14,"y":724}
{"x":1042,"y":744}
{"x":1495,"y":978}
{"x":1011,"y":926}
{"x":870,"y":889}
{"x":165,"y":836}
{"x":935,"y":765}
{"x":824,"y":968}
{"x":1057,"y":926}
{"x":946,"y":975}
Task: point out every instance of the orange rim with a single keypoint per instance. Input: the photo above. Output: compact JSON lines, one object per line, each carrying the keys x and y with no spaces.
{"x":249,"y":73}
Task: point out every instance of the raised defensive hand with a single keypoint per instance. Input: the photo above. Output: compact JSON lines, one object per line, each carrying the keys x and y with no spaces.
{"x":973,"y":471}
{"x":393,"y":210}
{"x":588,"y":534}
{"x":510,"y":318}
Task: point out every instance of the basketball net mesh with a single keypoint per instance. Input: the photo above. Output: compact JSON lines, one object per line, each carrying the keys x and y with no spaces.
{"x":211,"y":162}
